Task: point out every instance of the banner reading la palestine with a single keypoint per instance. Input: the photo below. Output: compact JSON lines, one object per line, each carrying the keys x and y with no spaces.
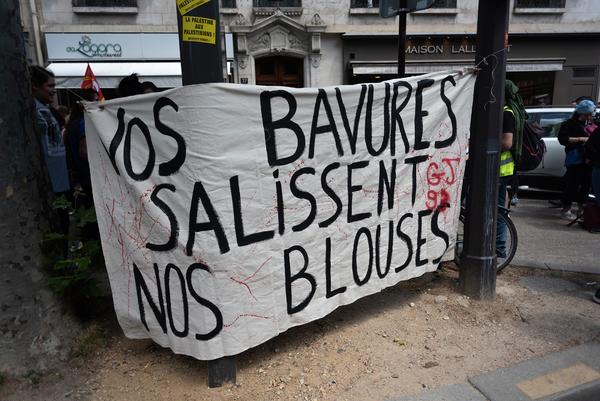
{"x":230,"y":213}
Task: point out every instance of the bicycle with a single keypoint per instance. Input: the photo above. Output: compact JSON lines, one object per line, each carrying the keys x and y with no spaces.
{"x":512,"y":238}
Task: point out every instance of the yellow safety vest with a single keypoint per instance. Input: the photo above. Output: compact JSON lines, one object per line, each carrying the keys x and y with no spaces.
{"x":507,"y":164}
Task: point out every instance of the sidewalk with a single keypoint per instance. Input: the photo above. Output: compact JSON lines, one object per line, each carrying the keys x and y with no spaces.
{"x":570,"y":375}
{"x":546,"y":242}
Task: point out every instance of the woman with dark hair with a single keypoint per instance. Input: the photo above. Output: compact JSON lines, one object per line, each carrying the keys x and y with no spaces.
{"x":573,"y":136}
{"x":48,"y":130}
{"x":43,"y":86}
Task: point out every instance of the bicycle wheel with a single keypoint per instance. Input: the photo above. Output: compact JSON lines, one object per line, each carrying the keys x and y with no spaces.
{"x":460,"y":237}
{"x":511,"y":240}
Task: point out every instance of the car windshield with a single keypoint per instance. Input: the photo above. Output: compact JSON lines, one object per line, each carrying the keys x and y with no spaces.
{"x":549,"y":120}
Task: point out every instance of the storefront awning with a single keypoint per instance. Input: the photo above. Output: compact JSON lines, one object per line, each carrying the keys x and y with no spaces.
{"x":425,"y":67}
{"x":162,"y":74}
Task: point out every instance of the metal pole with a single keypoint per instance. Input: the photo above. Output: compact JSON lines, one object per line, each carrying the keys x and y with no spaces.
{"x":200,"y":44}
{"x":221,"y":371}
{"x":202,"y":62}
{"x":478,"y":260}
{"x":402,"y":40}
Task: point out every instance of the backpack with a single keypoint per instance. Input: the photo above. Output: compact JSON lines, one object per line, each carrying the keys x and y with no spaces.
{"x":533,"y":148}
{"x":591,"y":149}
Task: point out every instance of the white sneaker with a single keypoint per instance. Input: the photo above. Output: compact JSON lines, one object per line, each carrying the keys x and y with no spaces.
{"x":568,"y":215}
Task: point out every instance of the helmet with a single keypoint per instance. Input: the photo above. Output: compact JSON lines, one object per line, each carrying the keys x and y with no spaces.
{"x":585,"y":107}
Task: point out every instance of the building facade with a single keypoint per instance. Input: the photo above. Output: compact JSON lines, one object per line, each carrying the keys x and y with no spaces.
{"x":553,"y":55}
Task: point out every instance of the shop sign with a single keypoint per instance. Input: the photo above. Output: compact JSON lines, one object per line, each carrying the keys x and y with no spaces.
{"x":84,"y":46}
{"x":89,"y":49}
{"x":463,"y":49}
{"x":442,"y":47}
{"x":425,"y":49}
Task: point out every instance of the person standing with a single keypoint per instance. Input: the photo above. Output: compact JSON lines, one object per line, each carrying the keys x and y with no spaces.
{"x":48,"y":130}
{"x":573,"y":136}
{"x":592,"y":155}
{"x":513,"y":120}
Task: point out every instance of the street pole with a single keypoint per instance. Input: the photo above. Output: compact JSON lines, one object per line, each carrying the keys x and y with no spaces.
{"x":202,"y":62}
{"x":478,"y":261}
{"x":402,"y":40}
{"x":200,"y":42}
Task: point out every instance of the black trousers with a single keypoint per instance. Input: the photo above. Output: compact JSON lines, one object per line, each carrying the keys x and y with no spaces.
{"x":576,"y":184}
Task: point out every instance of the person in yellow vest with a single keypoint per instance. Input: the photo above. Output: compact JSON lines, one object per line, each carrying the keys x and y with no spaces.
{"x":507,"y":169}
{"x":514,"y":117}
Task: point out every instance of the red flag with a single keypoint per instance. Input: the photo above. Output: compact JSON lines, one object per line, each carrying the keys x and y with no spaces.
{"x":90,"y":82}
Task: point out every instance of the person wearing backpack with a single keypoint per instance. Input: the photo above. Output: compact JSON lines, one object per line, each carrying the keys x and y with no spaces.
{"x":513,"y":120}
{"x":573,"y":136}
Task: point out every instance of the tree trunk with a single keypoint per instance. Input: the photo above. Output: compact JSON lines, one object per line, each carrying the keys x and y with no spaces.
{"x":33,"y":329}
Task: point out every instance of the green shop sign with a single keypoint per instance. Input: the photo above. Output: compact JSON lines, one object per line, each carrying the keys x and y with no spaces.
{"x":89,"y":49}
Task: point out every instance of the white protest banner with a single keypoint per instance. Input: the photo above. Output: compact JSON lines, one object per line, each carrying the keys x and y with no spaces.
{"x":230,"y":213}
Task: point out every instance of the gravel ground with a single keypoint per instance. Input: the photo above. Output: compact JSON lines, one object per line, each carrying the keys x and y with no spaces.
{"x":417,"y":335}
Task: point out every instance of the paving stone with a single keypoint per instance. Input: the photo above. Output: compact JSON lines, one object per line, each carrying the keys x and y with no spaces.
{"x":501,"y":385}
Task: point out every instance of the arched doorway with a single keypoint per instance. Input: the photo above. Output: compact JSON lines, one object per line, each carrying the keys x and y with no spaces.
{"x":280,"y":71}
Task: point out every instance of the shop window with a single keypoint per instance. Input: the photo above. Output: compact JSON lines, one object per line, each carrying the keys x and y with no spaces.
{"x":228,"y":4}
{"x":540,"y":3}
{"x":536,"y":88}
{"x":104,"y":3}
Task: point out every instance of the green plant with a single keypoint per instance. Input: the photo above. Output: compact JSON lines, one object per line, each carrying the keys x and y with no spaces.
{"x":2,"y":379}
{"x":72,"y":275}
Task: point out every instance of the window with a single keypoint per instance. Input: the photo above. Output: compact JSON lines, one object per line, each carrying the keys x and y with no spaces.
{"x":444,"y":4}
{"x":277,"y":3}
{"x":364,"y":4}
{"x":104,"y":3}
{"x":589,"y":72}
{"x":549,"y":121}
{"x":228,"y":4}
{"x":539,"y":3}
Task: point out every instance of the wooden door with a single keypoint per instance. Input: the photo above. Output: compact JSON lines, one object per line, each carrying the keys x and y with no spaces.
{"x":280,"y":71}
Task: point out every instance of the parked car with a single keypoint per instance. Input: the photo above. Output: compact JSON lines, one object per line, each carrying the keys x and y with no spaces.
{"x":548,"y":175}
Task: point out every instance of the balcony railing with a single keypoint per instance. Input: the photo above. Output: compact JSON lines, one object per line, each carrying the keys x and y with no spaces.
{"x":540,"y":3}
{"x":104,"y":3}
{"x":364,"y":4}
{"x":228,"y":4}
{"x":278,"y":3}
{"x":375,"y":4}
{"x":444,"y":4}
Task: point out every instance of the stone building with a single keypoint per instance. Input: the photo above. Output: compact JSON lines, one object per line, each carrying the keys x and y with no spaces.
{"x":554,"y":51}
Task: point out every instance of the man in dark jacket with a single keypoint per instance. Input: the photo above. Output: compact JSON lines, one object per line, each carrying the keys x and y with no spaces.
{"x":572,"y":136}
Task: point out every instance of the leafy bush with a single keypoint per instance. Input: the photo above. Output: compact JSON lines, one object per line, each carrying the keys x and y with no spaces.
{"x":72,"y":276}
